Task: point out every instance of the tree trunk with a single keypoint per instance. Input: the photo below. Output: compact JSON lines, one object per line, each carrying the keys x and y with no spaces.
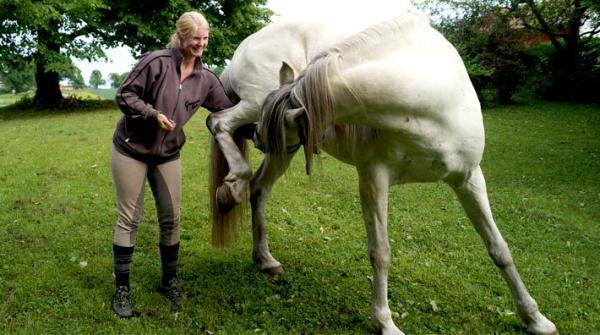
{"x":48,"y":92}
{"x":564,"y":86}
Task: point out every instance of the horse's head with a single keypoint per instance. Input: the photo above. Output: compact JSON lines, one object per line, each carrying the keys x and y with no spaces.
{"x":283,"y":121}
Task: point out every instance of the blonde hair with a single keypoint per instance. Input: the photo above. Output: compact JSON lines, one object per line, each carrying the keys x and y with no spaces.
{"x":186,"y":27}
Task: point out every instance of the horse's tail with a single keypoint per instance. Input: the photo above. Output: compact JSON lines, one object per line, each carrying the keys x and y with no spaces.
{"x":225,"y":227}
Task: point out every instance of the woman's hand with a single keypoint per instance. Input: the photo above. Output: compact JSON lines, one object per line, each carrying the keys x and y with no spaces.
{"x":164,"y":122}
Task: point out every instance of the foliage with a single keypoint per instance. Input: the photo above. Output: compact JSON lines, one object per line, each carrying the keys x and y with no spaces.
{"x":58,"y":215}
{"x":74,"y":77}
{"x":144,"y":28}
{"x":17,"y":75}
{"x":117,"y":79}
{"x":572,"y":27}
{"x":500,"y":37}
{"x":82,"y":28}
{"x":76,"y":101}
{"x":493,"y":51}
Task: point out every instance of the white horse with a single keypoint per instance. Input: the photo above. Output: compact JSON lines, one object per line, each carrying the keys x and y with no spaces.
{"x":396,"y":102}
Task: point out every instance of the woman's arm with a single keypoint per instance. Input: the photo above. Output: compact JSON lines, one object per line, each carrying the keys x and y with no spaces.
{"x":130,"y":96}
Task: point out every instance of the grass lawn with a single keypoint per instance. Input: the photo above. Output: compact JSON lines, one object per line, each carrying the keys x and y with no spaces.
{"x":57,"y":212}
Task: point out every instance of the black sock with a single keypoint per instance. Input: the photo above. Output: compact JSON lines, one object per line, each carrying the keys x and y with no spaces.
{"x":168,"y":257}
{"x":123,"y":258}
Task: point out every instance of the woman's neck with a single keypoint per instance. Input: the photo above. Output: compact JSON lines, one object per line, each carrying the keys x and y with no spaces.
{"x":187,"y":67}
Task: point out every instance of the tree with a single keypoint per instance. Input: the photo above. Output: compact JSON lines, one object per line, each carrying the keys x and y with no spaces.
{"x":96,"y":79}
{"x":76,"y":81}
{"x":572,"y":28}
{"x":116,"y":79}
{"x":74,"y":77}
{"x":493,"y":47}
{"x":494,"y":32}
{"x":51,"y":32}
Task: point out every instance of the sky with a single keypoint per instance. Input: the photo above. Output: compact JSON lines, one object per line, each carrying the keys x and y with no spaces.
{"x":369,"y":11}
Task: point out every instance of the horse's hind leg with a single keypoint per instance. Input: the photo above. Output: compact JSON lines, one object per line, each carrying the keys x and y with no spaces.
{"x":472,"y":194}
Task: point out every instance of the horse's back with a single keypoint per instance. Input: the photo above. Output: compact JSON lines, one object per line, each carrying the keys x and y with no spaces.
{"x":254,"y":67}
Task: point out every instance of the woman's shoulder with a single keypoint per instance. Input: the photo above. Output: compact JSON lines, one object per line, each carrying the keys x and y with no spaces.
{"x":208,"y":73}
{"x":157,"y":54}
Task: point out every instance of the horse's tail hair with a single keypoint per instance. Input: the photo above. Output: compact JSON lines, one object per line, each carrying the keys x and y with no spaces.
{"x":225,"y":227}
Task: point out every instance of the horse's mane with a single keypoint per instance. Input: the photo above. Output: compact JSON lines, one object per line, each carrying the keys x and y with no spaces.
{"x":313,"y":92}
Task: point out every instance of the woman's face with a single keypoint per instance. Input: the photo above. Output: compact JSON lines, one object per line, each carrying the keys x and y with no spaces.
{"x":197,"y":43}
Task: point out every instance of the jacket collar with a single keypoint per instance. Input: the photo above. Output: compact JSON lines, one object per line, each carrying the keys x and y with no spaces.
{"x":178,"y":57}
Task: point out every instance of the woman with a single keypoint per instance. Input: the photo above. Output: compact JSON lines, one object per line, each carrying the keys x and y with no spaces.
{"x":159,"y":96}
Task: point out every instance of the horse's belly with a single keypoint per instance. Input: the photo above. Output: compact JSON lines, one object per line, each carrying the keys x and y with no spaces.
{"x":408,"y":159}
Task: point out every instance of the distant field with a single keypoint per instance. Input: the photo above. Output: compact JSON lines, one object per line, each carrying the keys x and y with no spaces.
{"x":90,"y":93}
{"x":106,"y":93}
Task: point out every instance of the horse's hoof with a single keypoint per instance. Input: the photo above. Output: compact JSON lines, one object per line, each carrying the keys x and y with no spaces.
{"x":543,"y":327}
{"x":224,"y":199}
{"x":275,"y":271}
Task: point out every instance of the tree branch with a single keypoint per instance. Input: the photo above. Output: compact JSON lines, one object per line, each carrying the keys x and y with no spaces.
{"x":545,"y":27}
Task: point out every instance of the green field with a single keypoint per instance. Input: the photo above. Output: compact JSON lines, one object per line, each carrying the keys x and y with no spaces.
{"x":57,"y":212}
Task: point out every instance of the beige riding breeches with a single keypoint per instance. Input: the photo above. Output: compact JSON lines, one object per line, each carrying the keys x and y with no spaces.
{"x":129,"y":176}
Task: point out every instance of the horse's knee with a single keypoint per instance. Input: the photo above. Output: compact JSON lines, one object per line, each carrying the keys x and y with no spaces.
{"x":500,"y":254}
{"x":380,"y":258}
{"x":215,"y":124}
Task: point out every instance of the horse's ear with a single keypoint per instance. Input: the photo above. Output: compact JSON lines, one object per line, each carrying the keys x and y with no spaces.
{"x":286,"y":74}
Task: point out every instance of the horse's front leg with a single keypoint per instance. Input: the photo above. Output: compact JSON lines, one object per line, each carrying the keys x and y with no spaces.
{"x":269,"y":171}
{"x":472,"y":194}
{"x":222,"y":125}
{"x":373,"y":188}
